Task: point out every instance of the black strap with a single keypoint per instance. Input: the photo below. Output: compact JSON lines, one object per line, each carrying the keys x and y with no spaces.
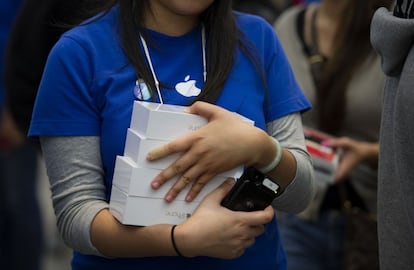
{"x":316,"y":59}
{"x":314,"y":49}
{"x":404,"y":9}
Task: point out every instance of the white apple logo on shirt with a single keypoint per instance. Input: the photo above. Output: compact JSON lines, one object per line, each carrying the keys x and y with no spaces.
{"x":188,"y":87}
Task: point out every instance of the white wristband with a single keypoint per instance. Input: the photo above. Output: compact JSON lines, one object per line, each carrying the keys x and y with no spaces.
{"x":275,"y":161}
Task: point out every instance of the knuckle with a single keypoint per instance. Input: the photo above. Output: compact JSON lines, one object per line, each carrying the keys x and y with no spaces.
{"x":170,"y":147}
{"x":177,"y":168}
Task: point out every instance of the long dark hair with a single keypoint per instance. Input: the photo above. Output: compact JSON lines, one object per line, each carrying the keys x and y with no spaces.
{"x":351,"y":48}
{"x":64,"y":15}
{"x":220,"y":44}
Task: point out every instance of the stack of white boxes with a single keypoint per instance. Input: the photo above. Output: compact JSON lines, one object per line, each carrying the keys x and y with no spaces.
{"x":133,"y":201}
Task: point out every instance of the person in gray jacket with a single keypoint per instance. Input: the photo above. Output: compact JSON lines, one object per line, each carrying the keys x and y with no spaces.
{"x":392,"y":34}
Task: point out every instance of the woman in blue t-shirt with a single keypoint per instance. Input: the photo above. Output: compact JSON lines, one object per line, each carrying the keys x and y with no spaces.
{"x":147,"y":50}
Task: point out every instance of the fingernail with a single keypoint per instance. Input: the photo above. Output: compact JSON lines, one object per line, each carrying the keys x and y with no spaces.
{"x":169,"y":198}
{"x":155,"y":185}
{"x":149,"y":157}
{"x":189,"y":198}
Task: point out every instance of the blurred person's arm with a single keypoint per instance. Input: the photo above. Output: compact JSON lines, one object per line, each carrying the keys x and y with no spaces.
{"x":353,"y":153}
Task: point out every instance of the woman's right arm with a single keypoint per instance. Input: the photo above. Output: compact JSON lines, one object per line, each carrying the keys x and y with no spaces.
{"x":76,"y":176}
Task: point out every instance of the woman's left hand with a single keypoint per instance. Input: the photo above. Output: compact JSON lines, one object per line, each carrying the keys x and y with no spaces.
{"x":352,"y":154}
{"x":224,"y":143}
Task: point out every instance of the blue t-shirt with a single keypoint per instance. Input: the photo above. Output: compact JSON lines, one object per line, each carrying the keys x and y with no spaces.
{"x":88,"y":90}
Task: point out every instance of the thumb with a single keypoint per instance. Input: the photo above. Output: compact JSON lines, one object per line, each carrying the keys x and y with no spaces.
{"x":203,"y":109}
{"x":221,"y":191}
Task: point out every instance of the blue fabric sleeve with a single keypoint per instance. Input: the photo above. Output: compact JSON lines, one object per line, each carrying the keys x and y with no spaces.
{"x":74,"y":107}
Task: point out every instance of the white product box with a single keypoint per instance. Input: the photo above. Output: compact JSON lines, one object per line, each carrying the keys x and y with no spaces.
{"x":144,"y":211}
{"x":325,"y":159}
{"x":166,"y":121}
{"x":134,"y":202}
{"x":163,"y":121}
{"x":137,"y":147}
{"x":136,"y":181}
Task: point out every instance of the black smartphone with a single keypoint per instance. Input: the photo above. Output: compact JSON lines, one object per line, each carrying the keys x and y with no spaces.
{"x":253,"y":191}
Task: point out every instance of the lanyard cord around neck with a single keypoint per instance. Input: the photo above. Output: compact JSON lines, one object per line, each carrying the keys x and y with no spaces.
{"x":147,"y":55}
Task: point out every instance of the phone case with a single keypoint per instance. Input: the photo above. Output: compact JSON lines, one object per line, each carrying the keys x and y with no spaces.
{"x":252,"y":192}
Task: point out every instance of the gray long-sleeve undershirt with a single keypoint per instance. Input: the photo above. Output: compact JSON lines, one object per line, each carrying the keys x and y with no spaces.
{"x":75,"y":172}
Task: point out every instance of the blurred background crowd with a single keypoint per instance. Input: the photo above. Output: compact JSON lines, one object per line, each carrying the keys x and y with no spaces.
{"x":320,"y":45}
